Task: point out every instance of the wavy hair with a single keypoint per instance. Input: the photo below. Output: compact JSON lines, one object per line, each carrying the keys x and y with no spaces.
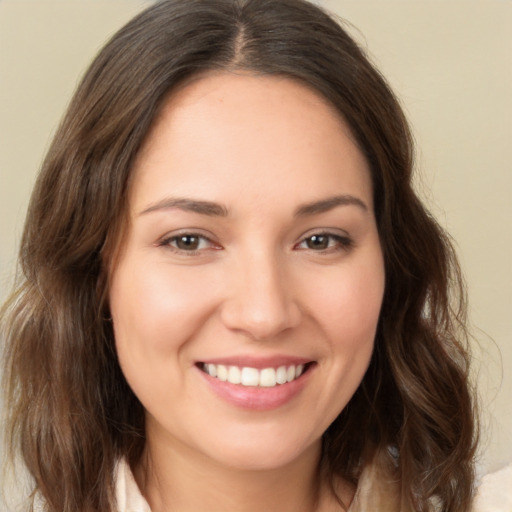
{"x":71,"y":414}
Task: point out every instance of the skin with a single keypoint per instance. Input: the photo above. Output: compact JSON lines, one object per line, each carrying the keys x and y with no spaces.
{"x":264,"y":150}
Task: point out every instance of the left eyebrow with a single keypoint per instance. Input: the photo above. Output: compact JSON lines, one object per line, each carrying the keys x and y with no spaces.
{"x":191,"y":205}
{"x":324,"y":205}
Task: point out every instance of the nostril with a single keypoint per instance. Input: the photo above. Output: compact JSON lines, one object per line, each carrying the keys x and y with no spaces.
{"x":260,"y":301}
{"x":260,"y":321}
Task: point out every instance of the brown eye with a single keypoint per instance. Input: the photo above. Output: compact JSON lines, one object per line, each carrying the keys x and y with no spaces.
{"x":325,"y":242}
{"x":191,"y":244}
{"x":187,"y":242}
{"x":317,"y":242}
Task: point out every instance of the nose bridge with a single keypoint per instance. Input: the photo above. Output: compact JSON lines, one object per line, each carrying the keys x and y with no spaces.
{"x":261,"y":301}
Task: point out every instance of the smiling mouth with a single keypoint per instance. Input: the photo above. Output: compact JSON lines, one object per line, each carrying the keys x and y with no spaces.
{"x":254,"y":377}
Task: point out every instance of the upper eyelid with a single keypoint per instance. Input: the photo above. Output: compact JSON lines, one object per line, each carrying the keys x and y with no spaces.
{"x":334,"y":236}
{"x":343,"y":238}
{"x":329,"y":232}
{"x":188,"y":231}
{"x":168,"y":239}
{"x":326,"y":232}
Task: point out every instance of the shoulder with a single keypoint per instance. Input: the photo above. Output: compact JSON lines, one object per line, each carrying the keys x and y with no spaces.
{"x":495,"y":492}
{"x":378,"y":487}
{"x":128,"y":495}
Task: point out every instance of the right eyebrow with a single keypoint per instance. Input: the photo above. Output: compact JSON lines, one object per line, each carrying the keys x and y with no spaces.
{"x":190,"y":205}
{"x":324,"y":205}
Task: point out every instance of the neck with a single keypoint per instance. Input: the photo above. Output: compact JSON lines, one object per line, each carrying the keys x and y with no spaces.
{"x":173,"y":478}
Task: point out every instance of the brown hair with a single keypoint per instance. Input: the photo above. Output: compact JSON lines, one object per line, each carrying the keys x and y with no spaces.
{"x":71,"y":412}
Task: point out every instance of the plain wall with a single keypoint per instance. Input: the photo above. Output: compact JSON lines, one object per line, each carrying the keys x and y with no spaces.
{"x":450,"y":63}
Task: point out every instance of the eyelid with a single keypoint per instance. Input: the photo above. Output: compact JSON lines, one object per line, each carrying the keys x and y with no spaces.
{"x":345,"y":241}
{"x":166,"y":241}
{"x":335,"y":232}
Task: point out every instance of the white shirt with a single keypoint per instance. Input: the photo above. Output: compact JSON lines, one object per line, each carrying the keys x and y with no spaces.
{"x":374,"y":493}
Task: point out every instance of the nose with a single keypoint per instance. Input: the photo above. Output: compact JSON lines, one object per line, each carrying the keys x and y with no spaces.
{"x":260,"y":301}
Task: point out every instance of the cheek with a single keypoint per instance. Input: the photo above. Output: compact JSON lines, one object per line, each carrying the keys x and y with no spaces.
{"x":349,"y":305}
{"x":346,"y":306}
{"x":348,"y":311}
{"x":154,"y":309}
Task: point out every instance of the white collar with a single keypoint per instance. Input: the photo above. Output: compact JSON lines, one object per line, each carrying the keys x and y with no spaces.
{"x":375,"y":491}
{"x":128,"y":495}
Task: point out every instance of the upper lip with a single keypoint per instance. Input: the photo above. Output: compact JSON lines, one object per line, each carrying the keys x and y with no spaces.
{"x":257,"y":362}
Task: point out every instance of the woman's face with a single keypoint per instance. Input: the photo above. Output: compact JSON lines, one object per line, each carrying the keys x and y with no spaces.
{"x":251,"y":255}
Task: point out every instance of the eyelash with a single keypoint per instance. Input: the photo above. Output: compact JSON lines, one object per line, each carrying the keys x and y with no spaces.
{"x":335,"y":243}
{"x":169,"y":241}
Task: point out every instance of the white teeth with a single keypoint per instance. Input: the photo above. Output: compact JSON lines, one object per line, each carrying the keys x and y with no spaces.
{"x":234,"y":375}
{"x":281,"y":375}
{"x":266,"y":377}
{"x":222,"y":372}
{"x":250,"y":377}
{"x":211,"y":370}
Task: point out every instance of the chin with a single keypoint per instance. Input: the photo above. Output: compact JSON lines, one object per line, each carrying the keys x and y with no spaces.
{"x":262,"y":454}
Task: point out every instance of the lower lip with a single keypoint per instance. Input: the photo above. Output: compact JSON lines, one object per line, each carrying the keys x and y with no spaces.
{"x":257,"y":398}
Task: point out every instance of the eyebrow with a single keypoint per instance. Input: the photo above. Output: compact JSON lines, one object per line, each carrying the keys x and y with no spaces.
{"x":325,"y":205}
{"x":190,"y":205}
{"x":212,"y":209}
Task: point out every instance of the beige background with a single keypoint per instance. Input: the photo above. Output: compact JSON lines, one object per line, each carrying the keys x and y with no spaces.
{"x":450,"y":62}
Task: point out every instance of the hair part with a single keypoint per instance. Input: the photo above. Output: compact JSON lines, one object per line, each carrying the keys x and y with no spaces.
{"x":71,"y":413}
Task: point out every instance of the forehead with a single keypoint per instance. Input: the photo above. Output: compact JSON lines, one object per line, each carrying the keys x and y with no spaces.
{"x":217,"y":92}
{"x":248,"y":132}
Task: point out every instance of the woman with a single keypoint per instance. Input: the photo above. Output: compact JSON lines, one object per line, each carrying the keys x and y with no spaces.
{"x":231,"y":295}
